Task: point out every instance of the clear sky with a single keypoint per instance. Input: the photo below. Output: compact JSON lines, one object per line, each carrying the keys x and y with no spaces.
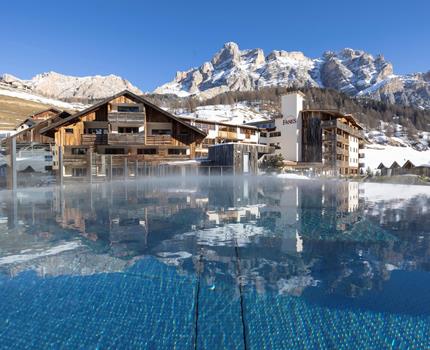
{"x":146,"y":42}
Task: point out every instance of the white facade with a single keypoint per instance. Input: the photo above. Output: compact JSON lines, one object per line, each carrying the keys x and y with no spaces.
{"x":291,"y":128}
{"x":353,"y":151}
{"x":288,"y":134}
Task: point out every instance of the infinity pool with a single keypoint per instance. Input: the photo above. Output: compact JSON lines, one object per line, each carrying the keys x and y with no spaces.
{"x":219,"y":263}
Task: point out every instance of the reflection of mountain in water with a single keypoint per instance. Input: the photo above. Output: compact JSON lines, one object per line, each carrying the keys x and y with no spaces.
{"x":281,"y":236}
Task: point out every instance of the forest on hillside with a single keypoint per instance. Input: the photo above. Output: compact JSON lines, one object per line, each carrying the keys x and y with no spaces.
{"x":368,"y":112}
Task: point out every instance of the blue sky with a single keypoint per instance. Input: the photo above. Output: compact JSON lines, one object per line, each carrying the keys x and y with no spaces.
{"x":146,"y":42}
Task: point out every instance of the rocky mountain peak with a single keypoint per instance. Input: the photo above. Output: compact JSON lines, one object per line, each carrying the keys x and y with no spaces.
{"x":354,"y":72}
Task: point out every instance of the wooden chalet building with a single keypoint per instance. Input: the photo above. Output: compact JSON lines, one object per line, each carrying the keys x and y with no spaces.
{"x":31,"y":134}
{"x":120,"y":129}
{"x":38,"y":117}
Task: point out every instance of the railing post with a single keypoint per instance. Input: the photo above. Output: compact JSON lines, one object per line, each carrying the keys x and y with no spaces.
{"x":12,"y":171}
{"x":90,"y":166}
{"x":60,"y":166}
{"x":136,"y":170}
{"x":125,"y":168}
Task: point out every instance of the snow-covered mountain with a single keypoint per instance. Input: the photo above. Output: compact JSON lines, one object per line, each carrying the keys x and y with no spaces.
{"x":60,"y":86}
{"x":353,"y":72}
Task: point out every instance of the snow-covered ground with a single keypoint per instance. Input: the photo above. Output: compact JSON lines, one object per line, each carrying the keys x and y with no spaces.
{"x":292,"y":176}
{"x":375,"y":154}
{"x":237,"y":113}
{"x":5,"y":91}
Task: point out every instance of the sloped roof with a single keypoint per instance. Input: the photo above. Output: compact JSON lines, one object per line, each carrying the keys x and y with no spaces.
{"x":381,"y":166}
{"x":126,"y":93}
{"x":30,"y":117}
{"x":408,"y":164}
{"x":395,"y":165}
{"x":336,"y":114}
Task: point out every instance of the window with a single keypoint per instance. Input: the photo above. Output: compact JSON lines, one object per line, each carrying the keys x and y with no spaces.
{"x":177,"y":151}
{"x":114,"y":151}
{"x":69,"y":131}
{"x":48,"y":158}
{"x":263,"y":134}
{"x":97,"y":131}
{"x":48,"y":167}
{"x":147,"y":151}
{"x":227,"y":128}
{"x":128,"y":130}
{"x":79,"y":172}
{"x":161,"y":132}
{"x":275,"y":134}
{"x":79,"y":151}
{"x":128,"y":109}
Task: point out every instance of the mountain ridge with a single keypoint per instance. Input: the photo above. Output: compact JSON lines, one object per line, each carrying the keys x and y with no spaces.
{"x":65,"y":87}
{"x":354,"y":72}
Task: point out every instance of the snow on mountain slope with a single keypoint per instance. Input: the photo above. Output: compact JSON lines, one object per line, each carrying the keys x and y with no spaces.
{"x":60,"y":86}
{"x":353,"y":72}
{"x":29,"y":96}
{"x":237,"y":113}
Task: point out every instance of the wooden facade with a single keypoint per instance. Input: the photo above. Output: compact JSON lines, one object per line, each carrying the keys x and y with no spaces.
{"x":332,"y":139}
{"x":125,"y":126}
{"x":32,"y":133}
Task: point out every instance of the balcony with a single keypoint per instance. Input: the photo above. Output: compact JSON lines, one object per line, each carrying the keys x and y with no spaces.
{"x":327,"y":124}
{"x":127,"y":117}
{"x":228,"y":135}
{"x":94,"y":139}
{"x":126,"y":139}
{"x":158,"y":140}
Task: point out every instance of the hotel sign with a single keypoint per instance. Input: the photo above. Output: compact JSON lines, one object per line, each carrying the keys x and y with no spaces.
{"x":289,"y":120}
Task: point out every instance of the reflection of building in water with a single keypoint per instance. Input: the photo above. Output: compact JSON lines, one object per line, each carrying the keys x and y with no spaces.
{"x":284,"y":236}
{"x":232,"y":215}
{"x":282,"y":216}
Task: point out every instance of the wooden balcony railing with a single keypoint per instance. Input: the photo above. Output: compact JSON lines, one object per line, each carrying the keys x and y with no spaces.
{"x":159,"y":140}
{"x":128,"y":139}
{"x":93,"y":139}
{"x":327,"y":124}
{"x":126,"y":117}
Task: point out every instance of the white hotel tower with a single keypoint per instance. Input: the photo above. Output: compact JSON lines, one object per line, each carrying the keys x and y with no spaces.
{"x":323,"y":139}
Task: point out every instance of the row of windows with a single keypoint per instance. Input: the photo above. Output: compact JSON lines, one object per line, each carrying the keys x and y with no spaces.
{"x":170,"y":151}
{"x":275,"y":134}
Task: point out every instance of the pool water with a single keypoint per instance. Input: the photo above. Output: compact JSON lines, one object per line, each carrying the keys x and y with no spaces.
{"x":216,"y":263}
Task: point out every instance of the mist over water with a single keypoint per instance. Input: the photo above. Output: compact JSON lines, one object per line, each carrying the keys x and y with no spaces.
{"x":216,"y":262}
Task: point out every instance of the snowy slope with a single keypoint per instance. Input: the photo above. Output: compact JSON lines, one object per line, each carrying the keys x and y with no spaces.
{"x":375,"y":154}
{"x":237,"y":113}
{"x":29,"y":96}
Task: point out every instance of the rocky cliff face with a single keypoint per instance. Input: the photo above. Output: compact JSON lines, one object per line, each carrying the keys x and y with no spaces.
{"x":71,"y":88}
{"x":353,"y":72}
